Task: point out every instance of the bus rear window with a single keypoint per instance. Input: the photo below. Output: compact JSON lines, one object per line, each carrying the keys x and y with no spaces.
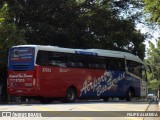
{"x":21,"y":58}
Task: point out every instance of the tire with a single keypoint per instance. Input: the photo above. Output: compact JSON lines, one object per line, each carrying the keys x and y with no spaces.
{"x":71,"y":95}
{"x":129,"y":95}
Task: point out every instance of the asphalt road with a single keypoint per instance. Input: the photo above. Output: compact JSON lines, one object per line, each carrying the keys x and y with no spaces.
{"x":85,"y":110}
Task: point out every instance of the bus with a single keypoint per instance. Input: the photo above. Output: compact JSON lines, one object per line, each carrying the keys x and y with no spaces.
{"x":48,"y":72}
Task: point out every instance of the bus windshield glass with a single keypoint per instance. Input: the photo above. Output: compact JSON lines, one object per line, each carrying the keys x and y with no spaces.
{"x":21,"y":58}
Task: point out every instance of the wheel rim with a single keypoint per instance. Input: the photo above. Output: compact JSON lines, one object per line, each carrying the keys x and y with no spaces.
{"x":70,"y":95}
{"x":130,"y":94}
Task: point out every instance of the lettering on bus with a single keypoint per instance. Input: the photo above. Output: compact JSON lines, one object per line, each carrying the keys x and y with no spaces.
{"x":102,"y":83}
{"x":20,"y":76}
{"x":21,"y":54}
{"x":63,"y":70}
{"x":46,"y":70}
{"x":17,"y":80}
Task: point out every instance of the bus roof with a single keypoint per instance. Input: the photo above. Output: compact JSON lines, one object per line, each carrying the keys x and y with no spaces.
{"x":99,"y":52}
{"x":118,"y":54}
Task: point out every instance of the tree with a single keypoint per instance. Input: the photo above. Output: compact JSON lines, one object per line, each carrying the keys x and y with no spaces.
{"x":77,"y":24}
{"x":153,"y":7}
{"x":154,"y":60}
{"x":9,"y":34}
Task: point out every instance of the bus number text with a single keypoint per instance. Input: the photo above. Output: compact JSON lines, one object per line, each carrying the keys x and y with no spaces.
{"x":46,"y":70}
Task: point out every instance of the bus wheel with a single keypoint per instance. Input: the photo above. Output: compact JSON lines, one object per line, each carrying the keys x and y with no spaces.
{"x":105,"y":99}
{"x":71,"y":95}
{"x":129,"y":95}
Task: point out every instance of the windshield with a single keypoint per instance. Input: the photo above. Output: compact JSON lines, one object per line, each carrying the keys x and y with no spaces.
{"x":21,"y":58}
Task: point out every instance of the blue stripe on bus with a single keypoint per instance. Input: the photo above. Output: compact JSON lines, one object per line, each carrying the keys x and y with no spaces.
{"x":85,"y":53}
{"x":24,"y":59}
{"x":114,"y":85}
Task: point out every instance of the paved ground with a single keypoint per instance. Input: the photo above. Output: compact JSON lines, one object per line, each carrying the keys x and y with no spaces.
{"x":92,"y":108}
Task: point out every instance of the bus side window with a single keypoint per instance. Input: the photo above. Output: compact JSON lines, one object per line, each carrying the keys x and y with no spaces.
{"x":76,"y":61}
{"x":57,"y":59}
{"x":121,"y":64}
{"x":97,"y":62}
{"x":115,"y":64}
{"x":70,"y":60}
{"x":42,"y":58}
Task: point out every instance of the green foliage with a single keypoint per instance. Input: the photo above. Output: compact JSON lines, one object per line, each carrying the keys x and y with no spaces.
{"x":153,"y":7}
{"x":9,"y":34}
{"x":77,"y":24}
{"x":154,"y":84}
{"x":154,"y":60}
